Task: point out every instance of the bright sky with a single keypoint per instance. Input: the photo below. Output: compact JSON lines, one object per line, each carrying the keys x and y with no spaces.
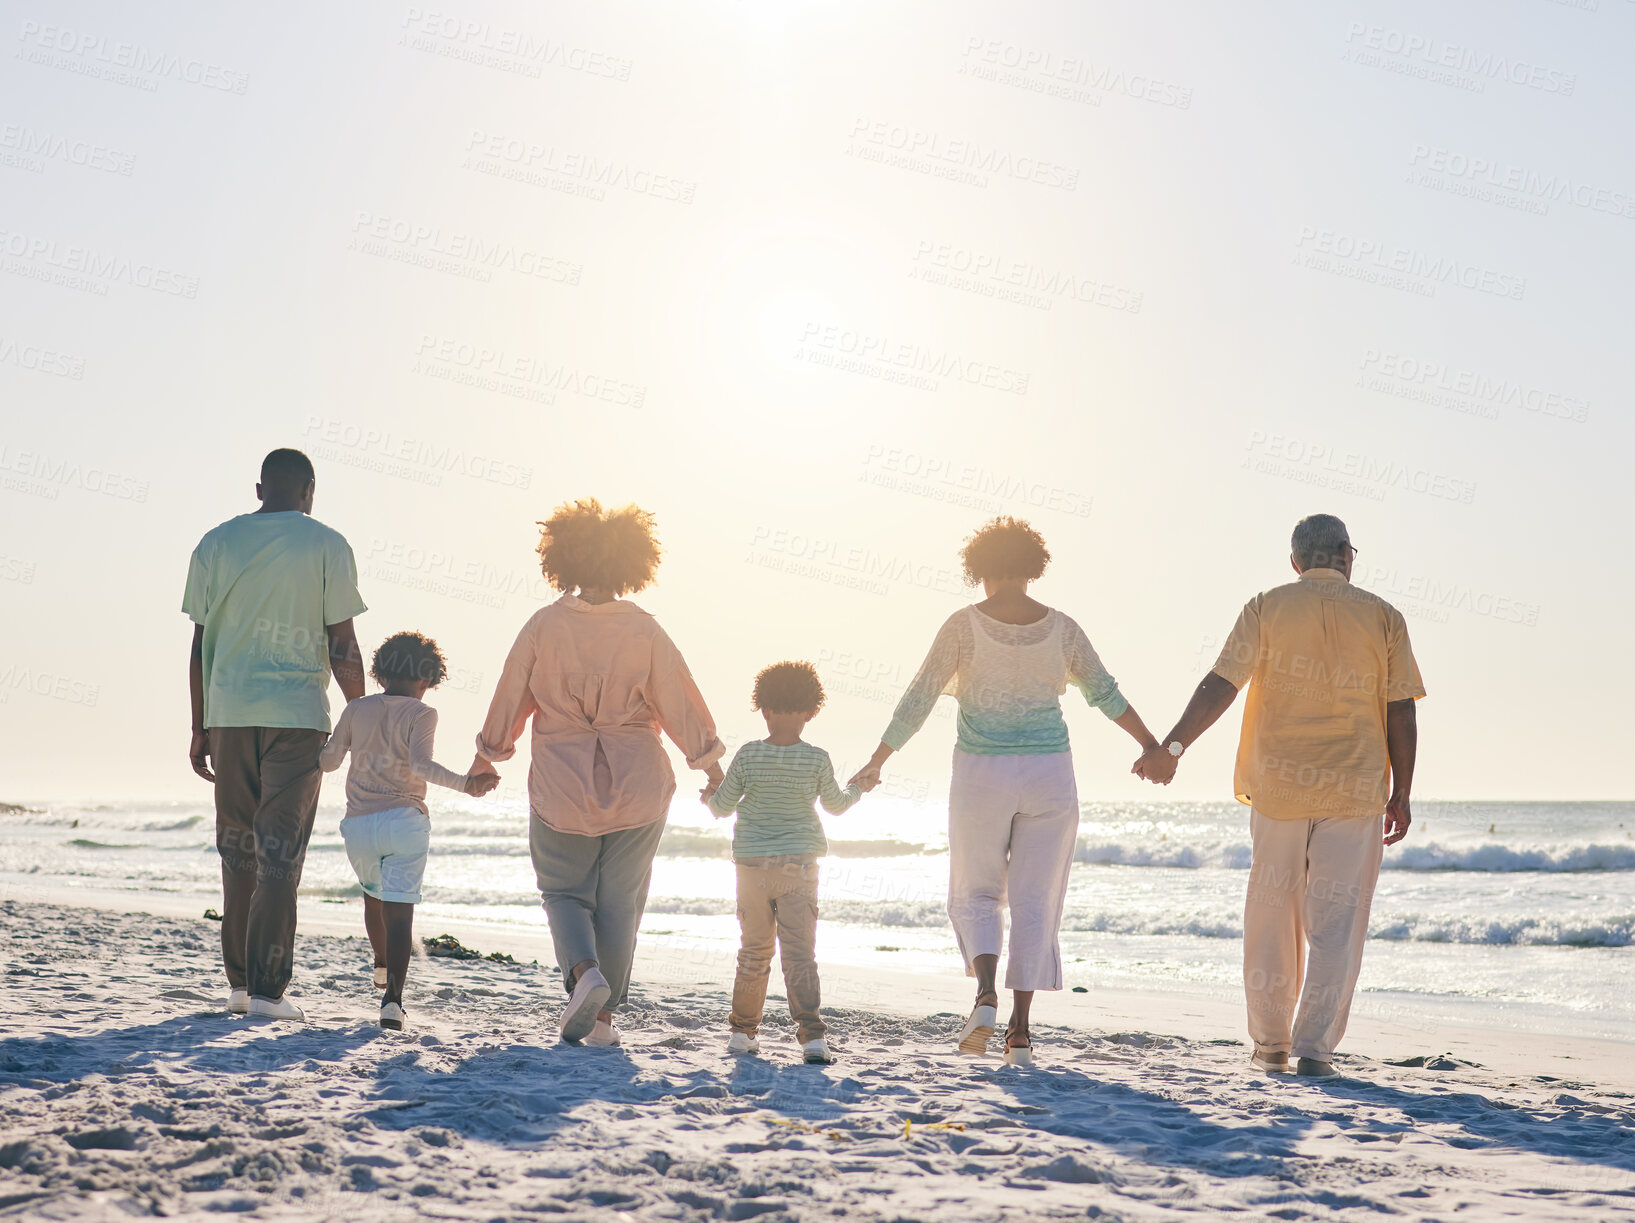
{"x":824,"y":286}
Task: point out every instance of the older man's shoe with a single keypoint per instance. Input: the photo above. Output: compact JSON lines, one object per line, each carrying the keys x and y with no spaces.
{"x":1272,"y":1061}
{"x":1313,"y":1068}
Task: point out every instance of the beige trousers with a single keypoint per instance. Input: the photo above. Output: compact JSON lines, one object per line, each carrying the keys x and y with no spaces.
{"x":777,"y":907}
{"x":1305,"y":919}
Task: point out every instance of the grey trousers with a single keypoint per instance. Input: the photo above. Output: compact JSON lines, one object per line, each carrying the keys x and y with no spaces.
{"x":594,"y":890}
{"x":266,"y":797}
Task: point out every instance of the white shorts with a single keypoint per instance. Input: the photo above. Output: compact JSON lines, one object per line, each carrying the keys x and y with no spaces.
{"x":388,"y":850}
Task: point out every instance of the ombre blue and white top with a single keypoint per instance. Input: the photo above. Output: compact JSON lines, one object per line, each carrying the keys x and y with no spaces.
{"x":1008,"y":679}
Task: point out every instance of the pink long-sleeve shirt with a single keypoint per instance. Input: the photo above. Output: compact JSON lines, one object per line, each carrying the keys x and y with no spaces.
{"x":600,"y":681}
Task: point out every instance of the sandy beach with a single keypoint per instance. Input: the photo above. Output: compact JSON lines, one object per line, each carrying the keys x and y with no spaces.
{"x":124,"y":1090}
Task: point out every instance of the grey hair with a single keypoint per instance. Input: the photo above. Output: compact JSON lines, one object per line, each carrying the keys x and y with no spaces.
{"x":1319,"y":541}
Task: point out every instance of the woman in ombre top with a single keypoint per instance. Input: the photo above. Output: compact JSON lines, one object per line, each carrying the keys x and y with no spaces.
{"x":600,"y":679}
{"x":1013,"y":808}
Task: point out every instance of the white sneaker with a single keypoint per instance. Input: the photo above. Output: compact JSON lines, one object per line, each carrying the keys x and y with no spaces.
{"x":973,"y":1037}
{"x":816,"y":1052}
{"x":590,"y":992}
{"x":391,"y":1016}
{"x":603,"y":1036}
{"x":238,"y":1001}
{"x":276,"y":1008}
{"x":380,"y":976}
{"x":742,"y":1042}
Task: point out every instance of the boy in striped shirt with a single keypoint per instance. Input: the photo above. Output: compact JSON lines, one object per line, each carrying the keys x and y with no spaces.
{"x":772,"y":784}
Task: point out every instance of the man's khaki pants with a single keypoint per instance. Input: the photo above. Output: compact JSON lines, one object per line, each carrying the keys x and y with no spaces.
{"x":777,"y":904}
{"x":1304,"y":923}
{"x":266,"y":798}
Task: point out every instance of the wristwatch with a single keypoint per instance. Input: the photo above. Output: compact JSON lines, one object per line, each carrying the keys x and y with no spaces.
{"x":1175,"y":748}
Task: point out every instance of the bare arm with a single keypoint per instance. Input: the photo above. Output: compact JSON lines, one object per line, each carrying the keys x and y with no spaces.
{"x":1402,"y":746}
{"x":1131,"y":724}
{"x":198,"y":752}
{"x":345,"y":659}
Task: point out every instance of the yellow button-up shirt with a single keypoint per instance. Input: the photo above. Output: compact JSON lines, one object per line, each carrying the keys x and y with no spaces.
{"x":1322,"y":659}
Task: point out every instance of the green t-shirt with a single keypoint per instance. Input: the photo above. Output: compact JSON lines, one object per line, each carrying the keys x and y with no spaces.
{"x":265,"y":586}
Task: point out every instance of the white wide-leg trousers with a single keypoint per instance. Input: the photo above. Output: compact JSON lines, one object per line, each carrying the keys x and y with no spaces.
{"x":1013,"y":822}
{"x":1311,"y":883}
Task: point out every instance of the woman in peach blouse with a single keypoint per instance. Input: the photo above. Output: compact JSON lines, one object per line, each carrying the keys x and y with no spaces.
{"x":600,"y":679}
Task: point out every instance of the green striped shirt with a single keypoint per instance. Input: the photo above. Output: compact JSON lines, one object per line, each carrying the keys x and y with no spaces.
{"x":773,"y":788}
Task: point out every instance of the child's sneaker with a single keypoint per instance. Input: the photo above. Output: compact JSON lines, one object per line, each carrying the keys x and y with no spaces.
{"x":743,"y":1043}
{"x":391,"y":1017}
{"x":816,"y":1052}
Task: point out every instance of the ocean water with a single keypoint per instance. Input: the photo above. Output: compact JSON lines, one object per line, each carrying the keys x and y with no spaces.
{"x":1518,"y":912}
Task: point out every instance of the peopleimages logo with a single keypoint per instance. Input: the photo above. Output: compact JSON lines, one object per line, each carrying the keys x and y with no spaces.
{"x":1530,"y":185}
{"x":936,"y":149}
{"x":1463,"y":390}
{"x":1420,"y":55}
{"x":1370,"y":259}
{"x":97,"y":53}
{"x":911,"y":361}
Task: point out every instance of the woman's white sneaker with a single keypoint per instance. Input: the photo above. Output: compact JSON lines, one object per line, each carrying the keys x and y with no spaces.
{"x":391,"y":1017}
{"x":590,"y":994}
{"x":238,"y":1001}
{"x":276,"y":1008}
{"x":1018,"y":1055}
{"x":816,"y":1052}
{"x":974,"y":1036}
{"x":603,"y":1036}
{"x":743,"y":1043}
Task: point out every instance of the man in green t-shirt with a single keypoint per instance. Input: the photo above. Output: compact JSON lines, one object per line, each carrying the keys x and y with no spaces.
{"x":271,"y":595}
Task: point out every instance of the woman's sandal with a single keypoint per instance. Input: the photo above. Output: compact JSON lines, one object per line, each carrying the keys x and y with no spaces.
{"x":978,"y":1029}
{"x":1018,"y":1055}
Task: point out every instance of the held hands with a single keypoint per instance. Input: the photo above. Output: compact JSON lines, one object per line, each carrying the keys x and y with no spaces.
{"x":713,"y":777}
{"x":1156,"y":765}
{"x":866,"y":778}
{"x":479,"y":784}
{"x":481,"y":777}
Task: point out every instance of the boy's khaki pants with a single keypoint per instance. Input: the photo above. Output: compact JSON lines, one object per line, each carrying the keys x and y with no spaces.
{"x":777,"y":904}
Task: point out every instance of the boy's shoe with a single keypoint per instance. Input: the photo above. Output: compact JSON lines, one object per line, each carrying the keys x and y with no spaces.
{"x":1018,"y":1055}
{"x":1312,"y":1068}
{"x":590,"y":993}
{"x":391,"y":1016}
{"x":276,"y":1008}
{"x":743,"y":1042}
{"x":816,"y":1052}
{"x":603,"y":1036}
{"x":1270,"y":1060}
{"x":380,"y":976}
{"x":973,"y":1037}
{"x":238,"y":1001}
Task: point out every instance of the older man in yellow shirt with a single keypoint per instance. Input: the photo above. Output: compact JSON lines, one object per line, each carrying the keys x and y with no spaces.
{"x":1328,"y":743}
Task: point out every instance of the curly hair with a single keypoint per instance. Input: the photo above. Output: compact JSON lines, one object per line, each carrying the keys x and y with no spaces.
{"x":409,"y":656}
{"x":1004,"y":547}
{"x":584,"y":547}
{"x":788,"y":687}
